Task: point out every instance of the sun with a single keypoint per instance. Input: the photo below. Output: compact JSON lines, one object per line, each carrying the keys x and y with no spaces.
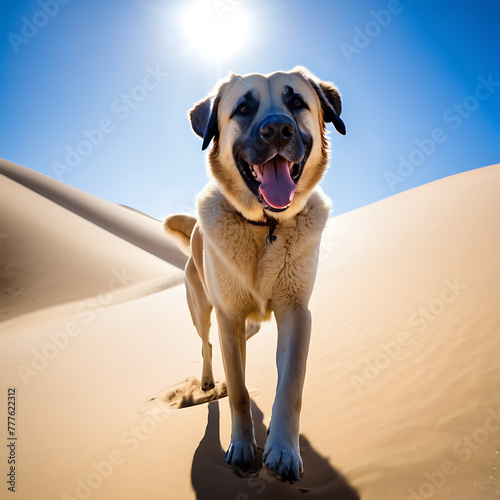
{"x":216,"y":29}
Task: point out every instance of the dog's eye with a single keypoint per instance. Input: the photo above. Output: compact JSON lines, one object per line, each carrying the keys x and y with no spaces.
{"x":243,"y":109}
{"x":298,"y":103}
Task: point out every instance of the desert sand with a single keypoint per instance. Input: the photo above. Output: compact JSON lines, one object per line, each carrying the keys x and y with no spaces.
{"x":402,"y":394}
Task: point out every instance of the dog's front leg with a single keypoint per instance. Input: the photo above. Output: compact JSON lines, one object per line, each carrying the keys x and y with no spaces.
{"x":232,"y":333}
{"x":282,"y":455}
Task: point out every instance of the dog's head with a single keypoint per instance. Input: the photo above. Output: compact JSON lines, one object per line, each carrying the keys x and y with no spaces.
{"x":269,"y":138}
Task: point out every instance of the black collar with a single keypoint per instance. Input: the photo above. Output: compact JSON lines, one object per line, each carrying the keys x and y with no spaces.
{"x":271,"y":222}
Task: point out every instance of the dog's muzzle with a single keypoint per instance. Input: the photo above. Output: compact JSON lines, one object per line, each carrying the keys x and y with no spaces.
{"x":272,"y":163}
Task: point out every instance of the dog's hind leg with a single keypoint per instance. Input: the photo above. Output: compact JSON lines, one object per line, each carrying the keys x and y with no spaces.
{"x":201,"y":309}
{"x":251,"y":328}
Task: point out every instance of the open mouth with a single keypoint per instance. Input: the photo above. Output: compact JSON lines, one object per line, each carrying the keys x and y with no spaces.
{"x":273,"y":182}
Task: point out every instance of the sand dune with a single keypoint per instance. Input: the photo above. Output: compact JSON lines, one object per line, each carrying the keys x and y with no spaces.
{"x":59,"y":245}
{"x":129,"y":225}
{"x":402,"y":396}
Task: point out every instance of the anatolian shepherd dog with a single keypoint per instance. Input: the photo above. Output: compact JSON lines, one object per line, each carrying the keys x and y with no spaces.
{"x":254,"y":246}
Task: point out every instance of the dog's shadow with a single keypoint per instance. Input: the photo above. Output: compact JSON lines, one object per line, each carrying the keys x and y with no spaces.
{"x":212,"y":479}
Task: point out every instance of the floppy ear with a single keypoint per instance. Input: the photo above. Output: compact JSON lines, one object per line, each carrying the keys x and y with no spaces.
{"x":329,"y":97}
{"x":203,"y":118}
{"x":331,"y":104}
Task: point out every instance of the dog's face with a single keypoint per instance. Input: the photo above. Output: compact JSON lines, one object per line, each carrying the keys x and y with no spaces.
{"x":269,"y":145}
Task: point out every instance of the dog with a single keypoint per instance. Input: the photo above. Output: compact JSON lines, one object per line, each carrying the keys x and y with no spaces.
{"x":253,"y":249}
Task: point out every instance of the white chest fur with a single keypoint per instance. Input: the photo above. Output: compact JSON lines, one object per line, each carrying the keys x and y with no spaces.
{"x":250,"y":274}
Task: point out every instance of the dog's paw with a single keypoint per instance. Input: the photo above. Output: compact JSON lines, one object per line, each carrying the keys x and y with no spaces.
{"x":241,"y":454}
{"x":283,"y":462}
{"x":207,"y":384}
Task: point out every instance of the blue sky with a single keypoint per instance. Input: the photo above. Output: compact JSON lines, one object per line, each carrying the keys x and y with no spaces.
{"x":114,"y":79}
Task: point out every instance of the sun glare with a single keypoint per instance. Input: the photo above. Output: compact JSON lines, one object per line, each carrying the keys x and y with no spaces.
{"x":217,"y":29}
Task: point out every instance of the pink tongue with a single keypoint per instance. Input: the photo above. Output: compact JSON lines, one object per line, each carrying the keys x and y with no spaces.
{"x":277,"y":187}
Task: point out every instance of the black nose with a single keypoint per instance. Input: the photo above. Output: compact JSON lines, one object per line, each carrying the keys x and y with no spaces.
{"x":277,"y":130}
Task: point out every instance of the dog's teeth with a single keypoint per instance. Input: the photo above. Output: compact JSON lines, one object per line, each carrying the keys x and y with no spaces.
{"x":256,"y":172}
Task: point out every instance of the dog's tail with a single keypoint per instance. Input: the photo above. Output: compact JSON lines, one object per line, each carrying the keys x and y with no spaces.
{"x":180,"y":227}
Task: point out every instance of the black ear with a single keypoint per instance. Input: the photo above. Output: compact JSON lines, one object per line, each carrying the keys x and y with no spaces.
{"x":329,"y":97}
{"x":203,"y":118}
{"x":331,"y":104}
